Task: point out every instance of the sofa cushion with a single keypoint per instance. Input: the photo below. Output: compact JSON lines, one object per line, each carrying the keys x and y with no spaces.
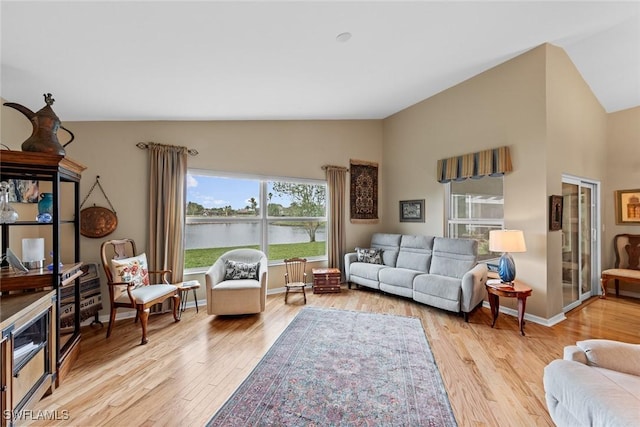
{"x":368,"y":271}
{"x":390,"y":245}
{"x":615,"y":355}
{"x":369,"y":255}
{"x":453,"y":257}
{"x":441,"y":286}
{"x":401,"y":277}
{"x":415,"y":253}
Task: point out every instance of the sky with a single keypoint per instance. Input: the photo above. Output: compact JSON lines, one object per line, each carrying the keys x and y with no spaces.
{"x":217,"y":192}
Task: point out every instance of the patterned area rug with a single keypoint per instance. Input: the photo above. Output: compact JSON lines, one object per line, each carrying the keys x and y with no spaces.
{"x":343,"y":368}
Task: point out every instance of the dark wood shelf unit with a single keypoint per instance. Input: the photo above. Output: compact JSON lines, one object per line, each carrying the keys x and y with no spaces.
{"x":57,"y":170}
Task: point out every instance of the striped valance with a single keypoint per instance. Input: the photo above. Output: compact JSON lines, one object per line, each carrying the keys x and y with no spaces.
{"x":493,"y":162}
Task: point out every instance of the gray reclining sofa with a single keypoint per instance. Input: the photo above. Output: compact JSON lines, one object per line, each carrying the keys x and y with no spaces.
{"x":437,"y":271}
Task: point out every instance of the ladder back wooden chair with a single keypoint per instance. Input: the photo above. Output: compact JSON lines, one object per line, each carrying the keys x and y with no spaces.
{"x":128,"y":280}
{"x":295,"y":277}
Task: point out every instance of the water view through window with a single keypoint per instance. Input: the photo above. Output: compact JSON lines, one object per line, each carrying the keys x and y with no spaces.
{"x":225,"y":213}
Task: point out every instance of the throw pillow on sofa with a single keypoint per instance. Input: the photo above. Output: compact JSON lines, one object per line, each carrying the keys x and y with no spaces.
{"x":369,"y":255}
{"x":235,"y":270}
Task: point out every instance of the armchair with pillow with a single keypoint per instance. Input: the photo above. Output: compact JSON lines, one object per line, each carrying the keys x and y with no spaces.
{"x":237,"y":283}
{"x":129,"y":285}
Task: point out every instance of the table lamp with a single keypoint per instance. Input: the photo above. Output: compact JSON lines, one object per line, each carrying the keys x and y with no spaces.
{"x":506,"y":241}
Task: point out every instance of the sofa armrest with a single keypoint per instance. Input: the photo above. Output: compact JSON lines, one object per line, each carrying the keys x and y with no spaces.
{"x":575,"y":353}
{"x":473,"y":287}
{"x":348,"y":259}
{"x":614,"y":355}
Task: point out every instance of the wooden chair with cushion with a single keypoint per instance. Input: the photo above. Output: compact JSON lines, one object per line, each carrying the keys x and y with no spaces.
{"x":295,"y":277}
{"x":128,"y":280}
{"x":627,"y":266}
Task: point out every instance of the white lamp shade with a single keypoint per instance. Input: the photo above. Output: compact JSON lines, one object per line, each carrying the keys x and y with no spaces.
{"x":506,"y":241}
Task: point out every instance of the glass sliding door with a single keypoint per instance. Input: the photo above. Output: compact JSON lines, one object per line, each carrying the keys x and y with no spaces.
{"x":580,"y":224}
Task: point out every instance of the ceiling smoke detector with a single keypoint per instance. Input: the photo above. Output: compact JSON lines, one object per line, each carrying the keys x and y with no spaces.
{"x":343,"y":37}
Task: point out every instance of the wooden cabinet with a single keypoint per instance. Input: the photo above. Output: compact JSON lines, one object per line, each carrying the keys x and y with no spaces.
{"x":27,"y":351}
{"x":326,"y":280}
{"x":61,"y":177}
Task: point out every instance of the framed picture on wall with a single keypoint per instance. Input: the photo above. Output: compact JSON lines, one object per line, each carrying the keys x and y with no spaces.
{"x":24,"y":190}
{"x":555,"y":213}
{"x":412,"y":210}
{"x":627,"y":206}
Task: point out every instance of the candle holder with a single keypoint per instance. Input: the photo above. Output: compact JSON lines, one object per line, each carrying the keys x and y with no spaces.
{"x":33,"y":253}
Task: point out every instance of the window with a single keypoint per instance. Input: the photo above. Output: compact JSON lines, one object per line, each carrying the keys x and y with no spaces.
{"x":475,"y":207}
{"x":225,"y":212}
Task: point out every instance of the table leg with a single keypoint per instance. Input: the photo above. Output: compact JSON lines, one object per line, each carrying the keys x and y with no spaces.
{"x":603,"y":286}
{"x":195,"y":298}
{"x":494,"y":303}
{"x":183,"y":300}
{"x":522,"y":302}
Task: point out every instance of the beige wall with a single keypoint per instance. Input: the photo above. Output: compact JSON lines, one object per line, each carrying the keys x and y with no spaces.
{"x":271,"y":148}
{"x":537,"y":104}
{"x":502,"y":106}
{"x":577,"y":146}
{"x":623,"y":173}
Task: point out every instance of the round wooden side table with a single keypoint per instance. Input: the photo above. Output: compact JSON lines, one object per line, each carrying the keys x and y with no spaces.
{"x":496,"y":289}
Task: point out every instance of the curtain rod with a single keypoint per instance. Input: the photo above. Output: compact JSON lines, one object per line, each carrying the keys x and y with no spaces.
{"x":144,"y":145}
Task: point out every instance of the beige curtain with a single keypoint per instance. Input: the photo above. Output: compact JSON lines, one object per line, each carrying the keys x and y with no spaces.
{"x":167,"y":178}
{"x":337,"y":186}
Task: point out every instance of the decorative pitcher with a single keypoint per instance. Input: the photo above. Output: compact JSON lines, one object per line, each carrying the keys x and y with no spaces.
{"x":44,"y":138}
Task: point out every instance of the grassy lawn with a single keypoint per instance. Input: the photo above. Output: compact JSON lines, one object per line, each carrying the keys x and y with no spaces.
{"x":206,"y":257}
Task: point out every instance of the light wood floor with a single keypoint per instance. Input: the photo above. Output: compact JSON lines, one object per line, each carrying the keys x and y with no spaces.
{"x":188,"y":369}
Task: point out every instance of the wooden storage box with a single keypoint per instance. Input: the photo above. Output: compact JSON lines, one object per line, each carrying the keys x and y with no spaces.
{"x":326,"y":280}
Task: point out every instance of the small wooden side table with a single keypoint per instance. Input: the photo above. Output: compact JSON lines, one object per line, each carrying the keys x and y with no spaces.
{"x":496,"y":289}
{"x":326,"y":280}
{"x":184,"y":288}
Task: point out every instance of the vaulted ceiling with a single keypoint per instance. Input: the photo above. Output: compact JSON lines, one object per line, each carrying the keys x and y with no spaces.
{"x":241,"y":60}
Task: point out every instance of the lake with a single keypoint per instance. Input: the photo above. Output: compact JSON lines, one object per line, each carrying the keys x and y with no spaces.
{"x":212,"y":235}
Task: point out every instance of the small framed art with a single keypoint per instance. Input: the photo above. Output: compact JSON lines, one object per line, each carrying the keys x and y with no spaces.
{"x":412,"y":210}
{"x":628,"y":207}
{"x":555,"y":213}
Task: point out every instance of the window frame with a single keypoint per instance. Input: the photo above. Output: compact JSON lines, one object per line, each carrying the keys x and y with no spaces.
{"x":450,"y":222}
{"x":263,"y":218}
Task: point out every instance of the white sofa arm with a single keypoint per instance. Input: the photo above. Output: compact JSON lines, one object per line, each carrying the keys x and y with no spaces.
{"x":614,"y":355}
{"x":348,"y":259}
{"x":473,"y":287}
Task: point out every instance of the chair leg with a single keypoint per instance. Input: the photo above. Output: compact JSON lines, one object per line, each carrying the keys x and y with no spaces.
{"x":176,"y":307}
{"x":144,"y":318}
{"x":304,"y":293}
{"x":112,"y":319}
{"x":286,"y":294}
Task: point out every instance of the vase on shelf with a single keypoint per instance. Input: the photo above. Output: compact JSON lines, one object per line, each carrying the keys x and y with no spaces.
{"x":45,"y":208}
{"x":7,"y":213}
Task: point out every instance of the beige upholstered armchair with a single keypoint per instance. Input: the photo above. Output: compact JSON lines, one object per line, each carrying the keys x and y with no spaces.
{"x":237,"y":283}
